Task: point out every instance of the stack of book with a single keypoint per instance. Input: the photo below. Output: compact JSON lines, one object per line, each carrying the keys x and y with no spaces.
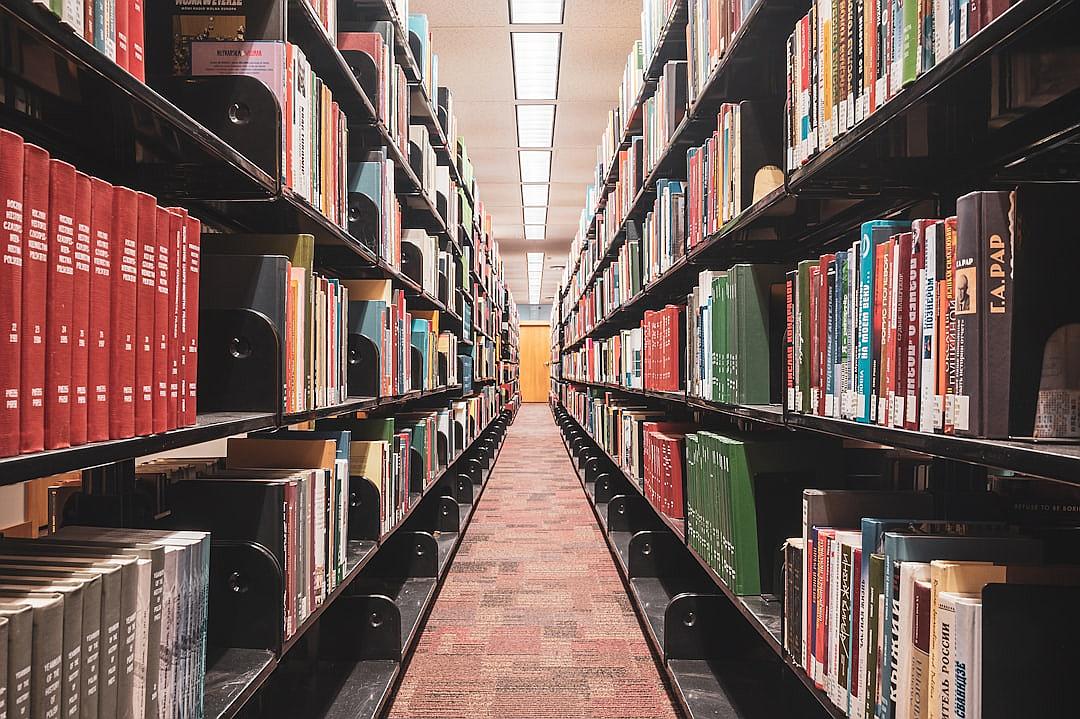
{"x":711,"y":25}
{"x":105,"y":622}
{"x":734,"y":319}
{"x":663,"y":232}
{"x":847,"y":59}
{"x":71,"y":375}
{"x":664,"y":334}
{"x":380,"y":226}
{"x":952,"y":326}
{"x":117,"y":29}
{"x":664,"y":111}
{"x":391,"y":99}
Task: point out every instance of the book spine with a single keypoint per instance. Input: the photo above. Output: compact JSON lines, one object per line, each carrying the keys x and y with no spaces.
{"x":996,"y":348}
{"x":125,"y":266}
{"x":177,"y":221}
{"x":59,"y":287}
{"x":145,"y":311}
{"x":12,"y":259}
{"x":929,"y":311}
{"x":121,"y":16}
{"x":162,"y":307}
{"x":882,"y":281}
{"x":101,"y":221}
{"x":189,"y":351}
{"x":35,"y":272}
{"x":948,"y":333}
{"x":80,"y":315}
{"x":136,"y":39}
{"x":898,"y":329}
{"x":913,"y":325}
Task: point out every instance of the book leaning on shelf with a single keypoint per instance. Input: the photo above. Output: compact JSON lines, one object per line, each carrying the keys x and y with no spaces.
{"x":961,"y":325}
{"x":71,"y":375}
{"x":378,"y":313}
{"x":377,"y":221}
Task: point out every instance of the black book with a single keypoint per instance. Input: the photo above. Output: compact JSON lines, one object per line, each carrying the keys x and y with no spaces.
{"x":19,"y":658}
{"x":47,"y":652}
{"x":90,"y":589}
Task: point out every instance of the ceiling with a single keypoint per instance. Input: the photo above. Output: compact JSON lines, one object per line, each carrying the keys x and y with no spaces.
{"x":472,"y":40}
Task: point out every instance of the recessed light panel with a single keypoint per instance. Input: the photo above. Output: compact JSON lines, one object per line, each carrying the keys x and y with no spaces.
{"x":534,"y":195}
{"x":536,"y":64}
{"x":535,"y":165}
{"x":536,"y":12}
{"x":535,"y":215}
{"x":535,"y":125}
{"x":534,"y":232}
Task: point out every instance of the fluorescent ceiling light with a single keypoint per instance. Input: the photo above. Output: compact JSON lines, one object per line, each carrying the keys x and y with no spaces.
{"x":536,"y":12}
{"x":535,"y":165}
{"x":535,"y":125}
{"x":535,"y":215}
{"x":534,"y":232}
{"x":536,"y":64}
{"x":534,"y":195}
{"x":535,"y":258}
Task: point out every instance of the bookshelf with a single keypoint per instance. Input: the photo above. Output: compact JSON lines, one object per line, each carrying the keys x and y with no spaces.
{"x":953,"y":127}
{"x":212,"y":145}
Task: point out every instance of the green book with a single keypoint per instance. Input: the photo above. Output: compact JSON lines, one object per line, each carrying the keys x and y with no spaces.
{"x":910,"y":48}
{"x":693,"y":484}
{"x":363,"y":430}
{"x":754,"y":287}
{"x":875,"y":591}
{"x":719,"y":337}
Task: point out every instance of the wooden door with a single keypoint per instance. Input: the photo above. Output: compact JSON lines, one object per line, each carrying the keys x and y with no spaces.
{"x":535,"y":356}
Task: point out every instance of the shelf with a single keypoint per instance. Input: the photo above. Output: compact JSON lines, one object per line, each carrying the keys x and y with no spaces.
{"x":363,"y":690}
{"x":356,"y":10}
{"x":705,"y":687}
{"x":208,"y":427}
{"x":232,"y":677}
{"x":966,"y":141}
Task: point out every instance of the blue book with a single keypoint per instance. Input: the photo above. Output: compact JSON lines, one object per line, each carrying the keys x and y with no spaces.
{"x":898,"y":548}
{"x":420,"y":339}
{"x":872,"y":234}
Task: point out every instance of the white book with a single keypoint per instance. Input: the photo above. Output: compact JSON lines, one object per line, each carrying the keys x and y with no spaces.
{"x":929,"y":401}
{"x":967,"y":658}
{"x":910,"y":572}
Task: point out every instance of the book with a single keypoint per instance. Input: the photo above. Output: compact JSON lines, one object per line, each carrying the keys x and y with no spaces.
{"x":34,"y":279}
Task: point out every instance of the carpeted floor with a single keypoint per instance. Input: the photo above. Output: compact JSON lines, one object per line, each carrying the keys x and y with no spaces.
{"x":532,"y":620}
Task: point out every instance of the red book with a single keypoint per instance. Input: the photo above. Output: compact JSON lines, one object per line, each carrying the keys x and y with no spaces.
{"x":913,"y":338}
{"x":101,"y":222}
{"x":11,"y":281}
{"x":177,"y":222}
{"x":162,"y":327}
{"x":122,"y":328}
{"x":80,"y":312}
{"x":145,"y":313}
{"x":191,"y":321}
{"x":59,"y":289}
{"x":811,"y":350}
{"x":136,"y":29}
{"x":34,"y":279}
{"x":120,"y":19}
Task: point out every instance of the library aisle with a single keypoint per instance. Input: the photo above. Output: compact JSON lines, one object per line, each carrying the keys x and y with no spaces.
{"x":532,"y":620}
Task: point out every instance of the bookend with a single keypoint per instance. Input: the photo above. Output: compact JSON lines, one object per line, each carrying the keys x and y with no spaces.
{"x":443,"y":370}
{"x":239,"y":109}
{"x":417,"y":480}
{"x":449,"y":515}
{"x":1029,"y":631}
{"x":416,"y":159}
{"x":364,"y":505}
{"x":362,"y":627}
{"x":474,"y":469}
{"x":608,"y":485}
{"x":364,"y":225}
{"x":246,"y":587}
{"x":240,"y":367}
{"x":442,"y":449}
{"x":631,"y":513}
{"x":694,"y":626}
{"x":364,"y":371}
{"x":362,"y":66}
{"x":412,"y":262}
{"x":459,"y":487}
{"x":417,"y":375}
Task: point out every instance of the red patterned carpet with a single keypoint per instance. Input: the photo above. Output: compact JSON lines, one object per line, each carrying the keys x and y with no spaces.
{"x":532,"y":620}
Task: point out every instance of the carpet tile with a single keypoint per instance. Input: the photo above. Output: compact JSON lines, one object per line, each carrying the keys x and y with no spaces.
{"x":532,"y":621}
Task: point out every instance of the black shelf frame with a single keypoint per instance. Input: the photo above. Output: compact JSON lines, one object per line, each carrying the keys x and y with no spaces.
{"x":651,"y":598}
{"x":234,"y":676}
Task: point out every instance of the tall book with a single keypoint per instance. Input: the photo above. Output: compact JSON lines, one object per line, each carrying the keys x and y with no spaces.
{"x":34,"y":280}
{"x":80,"y":312}
{"x":12,"y":157}
{"x":122,"y":322}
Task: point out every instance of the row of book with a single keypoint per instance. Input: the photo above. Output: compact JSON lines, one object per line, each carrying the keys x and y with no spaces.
{"x":71,"y":375}
{"x":379,"y":226}
{"x":98,"y":623}
{"x":847,"y":59}
{"x":314,"y":130}
{"x":884,"y":598}
{"x":392,"y":94}
{"x":960,"y":325}
{"x":654,"y":22}
{"x":663,"y":231}
{"x":711,"y":25}
{"x":663,"y":112}
{"x":736,"y":166}
{"x":116,"y":28}
{"x":274,"y":276}
{"x":427,"y":60}
{"x":734,"y":321}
